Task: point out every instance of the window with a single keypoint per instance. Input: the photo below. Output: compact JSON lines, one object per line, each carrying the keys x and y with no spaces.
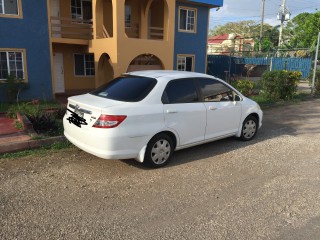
{"x":81,"y":9}
{"x":127,"y":88}
{"x":180,"y":91}
{"x":84,"y":64}
{"x":187,"y":19}
{"x":185,"y":63}
{"x":10,"y":7}
{"x":127,"y":16}
{"x":215,"y":91}
{"x":11,"y":64}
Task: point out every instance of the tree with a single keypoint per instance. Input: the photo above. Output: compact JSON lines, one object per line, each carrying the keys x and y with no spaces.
{"x":302,"y":31}
{"x":270,"y":38}
{"x":244,"y":28}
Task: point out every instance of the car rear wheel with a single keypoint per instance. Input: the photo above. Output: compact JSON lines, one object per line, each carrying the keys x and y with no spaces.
{"x":249,"y":128}
{"x":159,"y":151}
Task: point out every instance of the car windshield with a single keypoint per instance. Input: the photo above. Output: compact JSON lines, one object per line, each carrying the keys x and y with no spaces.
{"x":126,"y":88}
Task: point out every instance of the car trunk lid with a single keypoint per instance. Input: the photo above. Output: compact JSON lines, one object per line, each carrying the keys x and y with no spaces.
{"x":84,"y":110}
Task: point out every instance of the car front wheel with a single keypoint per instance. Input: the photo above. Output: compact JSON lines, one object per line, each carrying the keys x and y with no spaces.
{"x":159,"y":151}
{"x":249,"y":128}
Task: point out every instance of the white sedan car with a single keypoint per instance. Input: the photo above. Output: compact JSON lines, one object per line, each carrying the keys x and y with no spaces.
{"x":147,"y":115}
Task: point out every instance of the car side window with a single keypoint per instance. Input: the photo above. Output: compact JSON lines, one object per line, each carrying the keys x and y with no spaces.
{"x":215,"y":91}
{"x":180,"y":91}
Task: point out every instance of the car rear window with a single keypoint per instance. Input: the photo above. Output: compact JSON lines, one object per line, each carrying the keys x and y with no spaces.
{"x":126,"y":88}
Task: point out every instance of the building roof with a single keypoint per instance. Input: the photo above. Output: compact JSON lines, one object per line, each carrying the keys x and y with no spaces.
{"x":218,"y":39}
{"x":211,"y":3}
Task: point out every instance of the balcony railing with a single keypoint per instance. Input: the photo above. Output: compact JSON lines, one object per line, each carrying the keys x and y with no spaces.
{"x":71,"y":28}
{"x":156,"y":33}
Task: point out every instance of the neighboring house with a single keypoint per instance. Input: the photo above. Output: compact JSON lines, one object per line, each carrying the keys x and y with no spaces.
{"x":229,"y":43}
{"x":73,"y":46}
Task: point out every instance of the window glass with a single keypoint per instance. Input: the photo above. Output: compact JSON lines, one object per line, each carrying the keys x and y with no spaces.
{"x":89,"y":61}
{"x":190,"y":23}
{"x":10,"y":7}
{"x":76,"y":12}
{"x":3,"y":65}
{"x":1,"y":6}
{"x":87,"y":10}
{"x":180,"y":91}
{"x":215,"y":91}
{"x":127,"y":88}
{"x":189,"y":63}
{"x":183,"y":19}
{"x":181,"y":63}
{"x":84,"y":64}
{"x":79,"y":64}
{"x":127,"y":16}
{"x":11,"y":63}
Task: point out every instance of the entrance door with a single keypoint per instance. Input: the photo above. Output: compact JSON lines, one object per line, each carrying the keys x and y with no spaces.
{"x":55,"y":13}
{"x":58,"y":72}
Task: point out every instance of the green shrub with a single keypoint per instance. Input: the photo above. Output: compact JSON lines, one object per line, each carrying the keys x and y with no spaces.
{"x":48,"y":122}
{"x":244,"y":86}
{"x":18,"y":125}
{"x":24,"y":108}
{"x":45,"y":123}
{"x":13,"y":88}
{"x":280,"y":84}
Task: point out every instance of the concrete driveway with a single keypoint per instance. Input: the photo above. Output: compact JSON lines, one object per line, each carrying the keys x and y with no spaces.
{"x":264,"y":189}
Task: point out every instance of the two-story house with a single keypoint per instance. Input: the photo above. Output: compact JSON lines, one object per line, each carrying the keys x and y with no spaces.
{"x":73,"y":46}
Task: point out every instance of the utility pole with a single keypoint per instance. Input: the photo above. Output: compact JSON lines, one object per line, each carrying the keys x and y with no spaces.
{"x":315,"y":66}
{"x":261,"y":27}
{"x":283,"y":15}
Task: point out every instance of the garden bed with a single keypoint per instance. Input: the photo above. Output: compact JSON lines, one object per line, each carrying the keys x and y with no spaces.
{"x":43,"y":121}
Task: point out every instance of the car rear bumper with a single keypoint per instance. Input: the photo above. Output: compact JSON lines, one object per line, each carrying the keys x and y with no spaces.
{"x":104,"y":143}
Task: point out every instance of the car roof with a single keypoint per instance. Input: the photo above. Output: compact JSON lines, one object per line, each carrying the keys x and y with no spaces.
{"x":167,"y":74}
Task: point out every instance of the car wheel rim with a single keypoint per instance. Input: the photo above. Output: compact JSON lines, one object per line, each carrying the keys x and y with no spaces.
{"x":249,"y":129}
{"x":160,"y":151}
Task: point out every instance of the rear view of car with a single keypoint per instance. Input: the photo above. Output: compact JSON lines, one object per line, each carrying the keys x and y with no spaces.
{"x":148,"y":115}
{"x":103,"y":122}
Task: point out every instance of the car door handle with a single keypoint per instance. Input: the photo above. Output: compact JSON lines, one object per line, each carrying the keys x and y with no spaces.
{"x":172,"y":111}
{"x":212,"y":108}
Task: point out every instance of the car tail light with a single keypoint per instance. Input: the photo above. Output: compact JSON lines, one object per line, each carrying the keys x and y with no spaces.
{"x":108,"y":121}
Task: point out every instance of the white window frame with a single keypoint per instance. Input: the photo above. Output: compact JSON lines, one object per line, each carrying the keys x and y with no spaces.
{"x":8,"y":62}
{"x":194,"y":30}
{"x":10,"y":14}
{"x":84,"y":64}
{"x":182,"y":60}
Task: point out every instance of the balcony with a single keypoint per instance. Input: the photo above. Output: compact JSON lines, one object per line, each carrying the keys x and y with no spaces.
{"x":70,"y":28}
{"x":156,"y":33}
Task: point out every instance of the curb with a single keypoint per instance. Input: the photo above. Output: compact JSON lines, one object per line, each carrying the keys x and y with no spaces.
{"x":29,"y":144}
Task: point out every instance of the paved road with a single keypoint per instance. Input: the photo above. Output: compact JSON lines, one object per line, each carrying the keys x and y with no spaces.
{"x":264,"y":189}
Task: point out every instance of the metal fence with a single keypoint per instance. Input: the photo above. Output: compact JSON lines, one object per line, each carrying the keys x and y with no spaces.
{"x":229,"y":66}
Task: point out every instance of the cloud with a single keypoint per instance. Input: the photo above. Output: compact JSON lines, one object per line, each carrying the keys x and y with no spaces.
{"x":235,"y":10}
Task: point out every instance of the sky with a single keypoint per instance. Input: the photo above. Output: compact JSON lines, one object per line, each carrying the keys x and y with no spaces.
{"x":239,"y":10}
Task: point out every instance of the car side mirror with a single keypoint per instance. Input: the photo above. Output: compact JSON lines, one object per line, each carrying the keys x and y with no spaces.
{"x":237,"y":98}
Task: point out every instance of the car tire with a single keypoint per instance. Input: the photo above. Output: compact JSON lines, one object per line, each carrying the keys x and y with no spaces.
{"x":159,"y":151}
{"x":249,"y":128}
